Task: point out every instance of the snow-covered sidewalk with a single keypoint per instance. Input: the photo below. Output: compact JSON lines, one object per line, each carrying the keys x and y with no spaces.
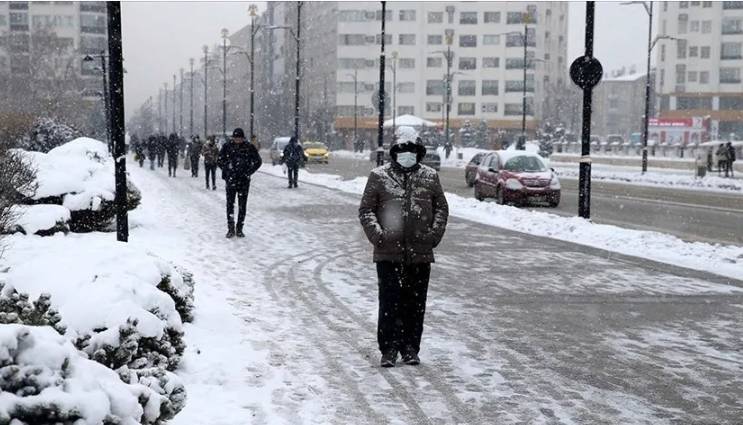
{"x":518,"y":328}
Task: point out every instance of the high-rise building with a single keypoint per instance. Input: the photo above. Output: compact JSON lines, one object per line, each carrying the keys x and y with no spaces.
{"x":699,"y":75}
{"x":341,"y":41}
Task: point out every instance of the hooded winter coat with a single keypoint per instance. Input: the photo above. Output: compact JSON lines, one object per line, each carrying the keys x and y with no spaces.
{"x":239,"y":161}
{"x":404,"y":212}
{"x":210,"y":153}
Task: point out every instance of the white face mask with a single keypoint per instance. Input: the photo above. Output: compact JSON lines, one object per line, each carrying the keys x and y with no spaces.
{"x":407,"y":159}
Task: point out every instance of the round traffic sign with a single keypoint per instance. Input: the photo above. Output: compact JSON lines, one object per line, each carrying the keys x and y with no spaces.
{"x":586,"y":72}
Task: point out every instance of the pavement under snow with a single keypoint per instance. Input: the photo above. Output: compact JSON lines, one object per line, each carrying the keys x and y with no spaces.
{"x":519,"y":328}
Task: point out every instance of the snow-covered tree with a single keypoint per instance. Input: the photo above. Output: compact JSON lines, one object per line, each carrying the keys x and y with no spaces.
{"x":46,"y":134}
{"x":16,"y":176}
{"x":467,"y":135}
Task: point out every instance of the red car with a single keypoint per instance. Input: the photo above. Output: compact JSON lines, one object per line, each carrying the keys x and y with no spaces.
{"x":470,"y":170}
{"x":516,"y":177}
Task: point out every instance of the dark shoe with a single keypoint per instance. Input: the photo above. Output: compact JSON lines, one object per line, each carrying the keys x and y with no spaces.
{"x":214,"y":188}
{"x":389,"y":358}
{"x":411,"y":358}
{"x":240,"y":233}
{"x":230,"y":231}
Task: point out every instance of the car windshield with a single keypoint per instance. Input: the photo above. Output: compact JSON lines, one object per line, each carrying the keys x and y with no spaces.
{"x":525,"y":164}
{"x":315,"y":146}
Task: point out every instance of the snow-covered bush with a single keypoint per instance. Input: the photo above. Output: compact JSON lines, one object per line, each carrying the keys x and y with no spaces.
{"x":46,"y":134}
{"x":79,"y":175}
{"x":46,"y":381}
{"x":15,"y":307}
{"x":17,"y":176}
{"x":42,"y":220}
{"x":180,"y":287}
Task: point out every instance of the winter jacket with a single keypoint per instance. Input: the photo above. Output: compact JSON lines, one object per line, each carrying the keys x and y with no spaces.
{"x":194,"y":151}
{"x":172,"y":146}
{"x":293,"y":155}
{"x":731,"y":154}
{"x":404,"y":213}
{"x":721,"y":154}
{"x":238,"y":162}
{"x":210,"y":153}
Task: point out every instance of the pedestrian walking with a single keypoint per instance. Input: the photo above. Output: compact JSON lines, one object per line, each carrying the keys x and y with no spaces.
{"x":730,"y":160}
{"x":172,"y":151}
{"x":447,"y":149}
{"x":404,"y":213}
{"x":293,"y":157}
{"x":139,"y":150}
{"x":194,"y":152}
{"x":239,"y":160}
{"x":152,"y":151}
{"x":721,"y":155}
{"x":701,"y":166}
{"x":211,"y":159}
{"x":162,"y":143}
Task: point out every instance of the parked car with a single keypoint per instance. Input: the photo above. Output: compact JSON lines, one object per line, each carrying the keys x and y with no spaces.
{"x":516,"y":177}
{"x":277,"y":149}
{"x":470,"y":170}
{"x":432,"y":158}
{"x":316,"y":152}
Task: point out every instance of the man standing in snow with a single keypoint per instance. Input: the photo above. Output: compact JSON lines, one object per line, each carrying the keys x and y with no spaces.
{"x":238,"y":160}
{"x":404,"y":214}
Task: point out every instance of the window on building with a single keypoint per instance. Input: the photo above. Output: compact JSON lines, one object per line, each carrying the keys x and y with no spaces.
{"x":706,"y":4}
{"x":662,"y":52}
{"x":693,"y":51}
{"x":491,"y":39}
{"x":734,"y":103}
{"x":680,"y":74}
{"x":351,"y":63}
{"x":467,"y":41}
{"x":732,"y":25}
{"x":407,"y":15}
{"x":345,"y":87}
{"x":467,"y":88}
{"x":406,"y":63}
{"x":662,"y":78}
{"x":732,"y":5}
{"x":468,"y":18}
{"x":490,"y":62}
{"x":704,"y":77}
{"x":665,"y":8}
{"x":433,"y":62}
{"x":434,"y":107}
{"x":450,"y":14}
{"x":517,"y":39}
{"x":435,"y":39}
{"x":704,"y":52}
{"x":387,"y":15}
{"x":729,"y":75}
{"x":685,"y":103}
{"x":491,"y":17}
{"x":683,"y":23}
{"x":681,"y":49}
{"x":683,"y":5}
{"x":696,"y":3}
{"x":489,"y":87}
{"x":434,"y":87}
{"x":3,"y":20}
{"x":692,"y":77}
{"x":435,"y":17}
{"x":352,"y":16}
{"x":515,"y":18}
{"x":730,"y":51}
{"x":408,"y":87}
{"x":351,"y":39}
{"x":694,"y":26}
{"x":489,"y":108}
{"x":512,"y":109}
{"x":518,"y":85}
{"x":406,"y":110}
{"x":467,"y":63}
{"x":407,"y":39}
{"x":387,"y":39}
{"x":18,"y":18}
{"x":706,"y":27}
{"x":466,"y":108}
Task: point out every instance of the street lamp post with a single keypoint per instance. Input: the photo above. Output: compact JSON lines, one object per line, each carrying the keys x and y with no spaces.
{"x":522,"y":141}
{"x":174,"y":82}
{"x":165,"y":107}
{"x":206,"y":85}
{"x":180,"y":102}
{"x":380,"y":128}
{"x":252,"y":9}
{"x":393,"y":66}
{"x":225,"y":33}
{"x":355,"y":77}
{"x":191,"y":61}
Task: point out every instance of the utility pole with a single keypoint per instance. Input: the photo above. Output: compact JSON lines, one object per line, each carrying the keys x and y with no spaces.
{"x":521,"y":145}
{"x":174,"y":104}
{"x":159,"y":110}
{"x":165,"y":108}
{"x":252,"y":10}
{"x":224,"y":81}
{"x":180,"y":108}
{"x":449,"y":58}
{"x":296,"y":88}
{"x":206,"y":84}
{"x":191,"y":61}
{"x":380,"y":125}
{"x":116,"y":89}
{"x":394,"y":94}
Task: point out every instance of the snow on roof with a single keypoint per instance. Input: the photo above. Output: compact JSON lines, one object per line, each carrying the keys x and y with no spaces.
{"x":625,"y":78}
{"x":507,"y":155}
{"x":409,"y":120}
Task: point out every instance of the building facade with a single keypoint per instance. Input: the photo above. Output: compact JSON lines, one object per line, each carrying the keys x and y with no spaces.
{"x":699,"y":75}
{"x":618,"y":104}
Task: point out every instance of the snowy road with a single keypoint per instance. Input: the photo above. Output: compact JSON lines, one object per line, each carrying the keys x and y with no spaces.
{"x":519,"y":329}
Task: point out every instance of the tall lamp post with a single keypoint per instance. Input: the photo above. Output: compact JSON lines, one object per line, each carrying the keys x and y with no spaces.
{"x":355,"y":77}
{"x":174,"y":82}
{"x":449,"y":56}
{"x":191,"y":62}
{"x":180,"y":107}
{"x":165,"y":107}
{"x":252,"y":9}
{"x":380,"y":124}
{"x":225,"y":33}
{"x":106,"y":103}
{"x":205,"y":49}
{"x":297,"y":78}
{"x":393,"y":67}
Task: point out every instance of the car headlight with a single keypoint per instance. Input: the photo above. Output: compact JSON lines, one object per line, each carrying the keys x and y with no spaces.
{"x":554,"y":183}
{"x":513,"y":184}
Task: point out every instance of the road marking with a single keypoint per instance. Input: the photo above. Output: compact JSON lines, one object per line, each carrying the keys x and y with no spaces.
{"x":677,"y":204}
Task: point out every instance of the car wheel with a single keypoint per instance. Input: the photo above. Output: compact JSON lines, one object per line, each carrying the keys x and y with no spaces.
{"x":500,"y":198}
{"x":554,"y":202}
{"x":478,"y":194}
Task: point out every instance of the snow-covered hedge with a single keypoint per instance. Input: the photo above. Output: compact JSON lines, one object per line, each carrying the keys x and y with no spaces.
{"x":42,"y":220}
{"x":121,"y":307}
{"x":46,"y":381}
{"x":79,"y":176}
{"x":46,"y":134}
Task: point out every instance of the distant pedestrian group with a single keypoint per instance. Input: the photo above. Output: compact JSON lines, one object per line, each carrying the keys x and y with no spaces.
{"x":725,"y":155}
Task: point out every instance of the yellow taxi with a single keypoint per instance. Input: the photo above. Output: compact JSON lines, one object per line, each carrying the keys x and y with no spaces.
{"x":316,"y":152}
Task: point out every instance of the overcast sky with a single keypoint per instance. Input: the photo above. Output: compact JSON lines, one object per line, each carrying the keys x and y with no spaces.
{"x":160,"y":37}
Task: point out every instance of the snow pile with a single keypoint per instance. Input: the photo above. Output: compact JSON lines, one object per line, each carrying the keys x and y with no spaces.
{"x":42,"y":220}
{"x":45,"y":380}
{"x":681,"y":181}
{"x":351,"y":155}
{"x":718,"y":259}
{"x":79,"y":176}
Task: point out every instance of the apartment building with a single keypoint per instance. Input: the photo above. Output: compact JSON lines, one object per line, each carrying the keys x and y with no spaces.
{"x":699,"y":75}
{"x":618,"y":103}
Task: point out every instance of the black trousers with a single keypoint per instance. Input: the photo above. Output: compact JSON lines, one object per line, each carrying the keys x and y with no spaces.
{"x":403,"y":289}
{"x":194,"y":166}
{"x":211,"y":169}
{"x":293,"y":172}
{"x":172,"y":165}
{"x":241,"y":193}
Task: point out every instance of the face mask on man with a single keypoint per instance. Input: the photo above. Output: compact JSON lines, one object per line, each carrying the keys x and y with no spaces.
{"x":407,"y":159}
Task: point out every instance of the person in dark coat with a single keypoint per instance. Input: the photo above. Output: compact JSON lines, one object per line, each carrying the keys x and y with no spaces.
{"x":211,"y":159}
{"x":293,"y":157}
{"x":239,"y":160}
{"x":162,"y":143}
{"x":404,"y":213}
{"x":730,"y":159}
{"x":172,"y":150}
{"x":194,"y":152}
{"x":152,"y":151}
{"x":139,"y":154}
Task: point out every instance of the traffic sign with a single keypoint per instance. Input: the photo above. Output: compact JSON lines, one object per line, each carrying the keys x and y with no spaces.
{"x":586,"y":72}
